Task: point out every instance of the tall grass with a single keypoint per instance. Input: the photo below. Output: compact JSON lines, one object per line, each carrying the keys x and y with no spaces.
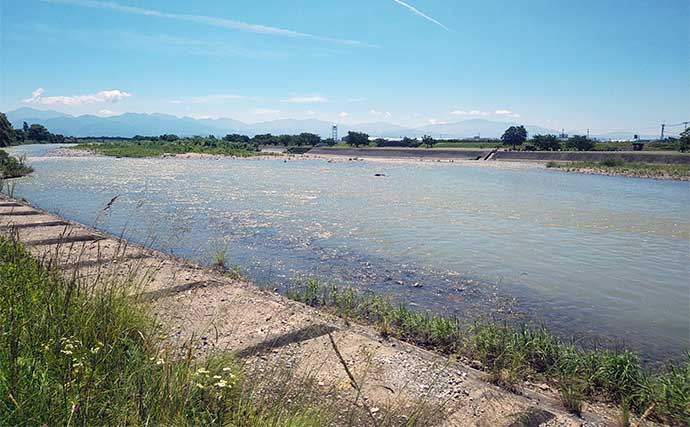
{"x":83,"y":353}
{"x":76,"y":355}
{"x":512,"y":354}
{"x":13,"y":167}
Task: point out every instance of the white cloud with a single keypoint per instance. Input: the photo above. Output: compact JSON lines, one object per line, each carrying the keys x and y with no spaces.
{"x":205,"y":20}
{"x":422,"y":14}
{"x":343,"y":114}
{"x":436,"y":122}
{"x":384,"y":114}
{"x":109,"y":96}
{"x":105,"y":112}
{"x":313,"y":99}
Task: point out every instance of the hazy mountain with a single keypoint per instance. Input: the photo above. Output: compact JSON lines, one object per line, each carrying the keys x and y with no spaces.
{"x":16,"y":117}
{"x":381,"y":129}
{"x":624,"y":136}
{"x":130,"y":124}
{"x":478,"y":127}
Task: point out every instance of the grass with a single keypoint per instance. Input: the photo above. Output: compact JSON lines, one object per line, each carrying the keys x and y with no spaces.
{"x":71,"y":355}
{"x":514,"y":354}
{"x":619,"y":167}
{"x":159,"y":148}
{"x":12,"y":167}
{"x":76,"y":354}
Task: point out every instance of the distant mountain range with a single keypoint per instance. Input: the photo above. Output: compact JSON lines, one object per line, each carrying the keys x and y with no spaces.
{"x":130,"y":124}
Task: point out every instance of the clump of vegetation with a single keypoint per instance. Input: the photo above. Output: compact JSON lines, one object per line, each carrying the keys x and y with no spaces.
{"x":33,"y":134}
{"x":154,"y":148}
{"x":75,"y":355}
{"x":12,"y":167}
{"x":511,"y":354}
{"x":619,"y":167}
{"x":572,"y":396}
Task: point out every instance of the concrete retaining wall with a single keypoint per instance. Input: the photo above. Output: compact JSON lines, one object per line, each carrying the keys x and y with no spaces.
{"x":539,"y":156}
{"x":594,"y":156}
{"x":401,"y":153}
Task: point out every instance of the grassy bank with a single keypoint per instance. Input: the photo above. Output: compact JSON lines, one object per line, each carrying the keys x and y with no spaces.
{"x":132,"y":148}
{"x":619,"y":167}
{"x":512,"y":355}
{"x":72,"y":354}
{"x":12,"y":167}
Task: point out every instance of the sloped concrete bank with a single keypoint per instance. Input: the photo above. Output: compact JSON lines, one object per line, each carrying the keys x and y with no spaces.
{"x":478,"y":154}
{"x":595,"y":156}
{"x":402,"y":153}
{"x":227,"y":313}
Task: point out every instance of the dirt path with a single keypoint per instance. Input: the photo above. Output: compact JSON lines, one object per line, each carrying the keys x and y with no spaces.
{"x":230,"y":314}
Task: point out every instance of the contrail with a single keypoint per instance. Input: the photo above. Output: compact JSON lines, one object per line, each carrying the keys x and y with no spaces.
{"x":206,"y":20}
{"x":422,"y":14}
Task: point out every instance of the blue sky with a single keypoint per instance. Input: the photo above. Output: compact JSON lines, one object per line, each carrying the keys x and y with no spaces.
{"x":606,"y":65}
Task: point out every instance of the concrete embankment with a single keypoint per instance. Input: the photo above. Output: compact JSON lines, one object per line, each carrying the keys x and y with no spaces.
{"x":402,"y":153}
{"x":478,"y":154}
{"x":229,"y":314}
{"x":595,"y":156}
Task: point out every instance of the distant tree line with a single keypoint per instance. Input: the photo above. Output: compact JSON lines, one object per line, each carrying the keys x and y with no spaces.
{"x":28,"y":134}
{"x":303,"y":139}
{"x":357,"y":139}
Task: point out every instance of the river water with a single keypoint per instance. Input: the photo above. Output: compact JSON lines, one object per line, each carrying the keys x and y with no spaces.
{"x":591,"y":257}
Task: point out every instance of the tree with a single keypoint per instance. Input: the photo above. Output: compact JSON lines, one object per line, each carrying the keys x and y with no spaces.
{"x":684,"y":140}
{"x":169,"y":137}
{"x":7,"y":136}
{"x":546,"y":142}
{"x":236,"y":138}
{"x":356,"y":139}
{"x":38,"y":133}
{"x":306,"y":138}
{"x":514,"y":135}
{"x":579,"y":143}
{"x":25,"y":127}
{"x":428,"y":141}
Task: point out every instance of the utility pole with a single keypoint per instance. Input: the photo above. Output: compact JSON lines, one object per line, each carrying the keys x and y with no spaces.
{"x":587,"y":133}
{"x":663,"y":126}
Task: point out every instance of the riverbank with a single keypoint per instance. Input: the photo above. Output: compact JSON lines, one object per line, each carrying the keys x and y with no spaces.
{"x":678,"y":172}
{"x":230,"y":314}
{"x":485,"y":154}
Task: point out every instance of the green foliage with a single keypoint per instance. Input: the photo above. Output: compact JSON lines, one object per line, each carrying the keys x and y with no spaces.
{"x":357,"y":139}
{"x":579,"y":143}
{"x":12,"y":167}
{"x":546,"y":142}
{"x":72,"y":354}
{"x":428,"y":141}
{"x":512,"y":354}
{"x":38,"y":133}
{"x":7,"y":135}
{"x":684,"y":141}
{"x":514,"y":135}
{"x":572,"y":396}
{"x":158,"y":147}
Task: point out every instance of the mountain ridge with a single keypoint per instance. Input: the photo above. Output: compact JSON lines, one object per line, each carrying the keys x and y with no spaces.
{"x":131,"y":124}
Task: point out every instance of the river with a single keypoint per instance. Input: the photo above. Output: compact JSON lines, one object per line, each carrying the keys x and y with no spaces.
{"x":592,"y":257}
